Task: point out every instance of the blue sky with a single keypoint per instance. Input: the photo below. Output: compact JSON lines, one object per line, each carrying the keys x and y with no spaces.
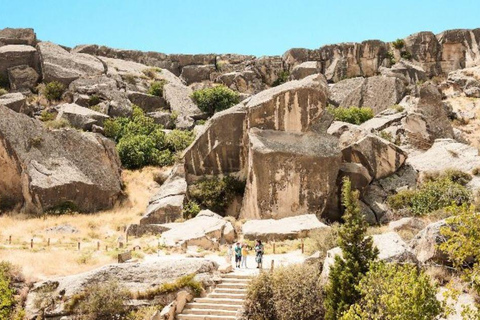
{"x":244,"y":26}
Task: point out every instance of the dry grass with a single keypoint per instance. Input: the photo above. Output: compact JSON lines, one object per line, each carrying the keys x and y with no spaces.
{"x":62,"y":256}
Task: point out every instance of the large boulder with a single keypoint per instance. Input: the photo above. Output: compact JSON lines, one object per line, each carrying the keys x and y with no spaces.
{"x":282,"y":229}
{"x":379,"y":156}
{"x":407,"y":71}
{"x":206,"y":230}
{"x":136,"y":277}
{"x":14,"y":101}
{"x":22,"y":78}
{"x":289,"y":173}
{"x":147,"y":102}
{"x":80,"y":117}
{"x":60,"y":65}
{"x":426,"y":51}
{"x":377,"y":92}
{"x":339,"y":91}
{"x":17,"y":36}
{"x":305,"y":69}
{"x":459,"y":49}
{"x":197,"y":73}
{"x":17,"y":55}
{"x":391,"y":248}
{"x":242,"y":81}
{"x":425,"y":244}
{"x":167,"y":204}
{"x":43,"y":169}
{"x":468,"y":80}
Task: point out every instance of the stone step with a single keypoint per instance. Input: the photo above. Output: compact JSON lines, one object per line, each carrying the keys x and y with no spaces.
{"x":230,"y":290}
{"x":210,"y":306}
{"x":220,"y":295}
{"x":239,"y":280}
{"x":214,"y":312}
{"x":203,"y":317}
{"x":232,"y":302}
{"x":236,"y":276}
{"x":230,"y":285}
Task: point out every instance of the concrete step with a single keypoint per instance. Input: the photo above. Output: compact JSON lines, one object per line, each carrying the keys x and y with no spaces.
{"x":214,"y":312}
{"x":232,"y":302}
{"x":210,"y":306}
{"x":236,"y":276}
{"x":230,"y":285}
{"x":236,"y":280}
{"x":203,"y":317}
{"x":230,"y":290}
{"x":219,"y":295}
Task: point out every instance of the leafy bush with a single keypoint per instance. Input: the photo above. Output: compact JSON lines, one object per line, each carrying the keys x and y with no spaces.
{"x":3,"y":91}
{"x":156,"y":88}
{"x":282,"y":78}
{"x":63,"y":208}
{"x":215,"y":193}
{"x":53,"y":90}
{"x":57,"y":124}
{"x":129,"y":78}
{"x":7,"y":300}
{"x":454,"y":175}
{"x":391,"y":57}
{"x":143,"y":313}
{"x":47,"y":116}
{"x":393,"y":291}
{"x":185,"y":282}
{"x":190,"y":210}
{"x":398,"y":44}
{"x":152,"y":72}
{"x":215,"y":99}
{"x":285,"y":294}
{"x":433,"y":195}
{"x":142,"y":142}
{"x":406,"y":55}
{"x":322,"y":240}
{"x":354,"y":115}
{"x":358,"y":253}
{"x":100,"y":301}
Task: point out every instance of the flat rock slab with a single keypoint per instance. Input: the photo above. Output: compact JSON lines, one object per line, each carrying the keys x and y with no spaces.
{"x":282,"y":229}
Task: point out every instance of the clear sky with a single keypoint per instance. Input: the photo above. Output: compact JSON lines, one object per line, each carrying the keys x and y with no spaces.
{"x":259,"y":27}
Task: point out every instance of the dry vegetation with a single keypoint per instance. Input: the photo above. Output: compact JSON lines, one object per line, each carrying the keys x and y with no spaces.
{"x":62,"y":257}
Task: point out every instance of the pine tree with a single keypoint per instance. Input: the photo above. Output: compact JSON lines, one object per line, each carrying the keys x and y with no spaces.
{"x":358,"y":252}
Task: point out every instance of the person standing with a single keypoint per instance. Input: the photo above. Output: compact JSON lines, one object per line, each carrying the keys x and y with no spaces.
{"x":244,"y":256}
{"x":259,"y":254}
{"x":238,"y":254}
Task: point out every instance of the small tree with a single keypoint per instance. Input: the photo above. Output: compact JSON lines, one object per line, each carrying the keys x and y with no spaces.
{"x":54,"y":90}
{"x":215,"y":99}
{"x":395,"y":292}
{"x":358,"y":253}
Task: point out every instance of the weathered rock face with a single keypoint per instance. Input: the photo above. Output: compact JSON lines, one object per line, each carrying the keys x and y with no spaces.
{"x":22,"y":78}
{"x":206,"y":230}
{"x":197,"y":73}
{"x":305,"y":69}
{"x":221,"y":148}
{"x":14,"y":101}
{"x":282,"y":229}
{"x":289,"y":173}
{"x":425,"y":50}
{"x":17,"y":36}
{"x":16,"y":55}
{"x":391,"y":248}
{"x":136,"y":277}
{"x":377,"y":92}
{"x":460,"y":49}
{"x":42,"y":169}
{"x":60,"y":65}
{"x":340,"y":90}
{"x":468,"y":80}
{"x":425,"y":244}
{"x":167,"y":204}
{"x":147,"y":102}
{"x":80,"y":117}
{"x":408,"y":72}
{"x":242,"y":81}
{"x":380,"y":157}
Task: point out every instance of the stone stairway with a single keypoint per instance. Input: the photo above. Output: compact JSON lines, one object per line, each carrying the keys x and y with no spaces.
{"x":223,"y":303}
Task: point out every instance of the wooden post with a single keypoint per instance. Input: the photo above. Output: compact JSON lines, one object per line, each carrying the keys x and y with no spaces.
{"x":48,"y":242}
{"x":303,"y":247}
{"x":10,"y":239}
{"x":126,"y":238}
{"x":78,"y":246}
{"x":273,"y":248}
{"x":120,"y":244}
{"x":272,"y":266}
{"x":106,"y":248}
{"x":98,"y":245}
{"x":31,"y":243}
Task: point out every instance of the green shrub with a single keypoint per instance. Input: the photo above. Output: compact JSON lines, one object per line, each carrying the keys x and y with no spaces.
{"x":282,"y":78}
{"x":398,"y":44}
{"x":53,"y":90}
{"x":93,"y":100}
{"x":432,"y":196}
{"x":143,"y":313}
{"x":47,"y":116}
{"x":358,"y":253}
{"x":63,"y":208}
{"x":215,"y":99}
{"x":190,"y":210}
{"x":391,"y":57}
{"x":215,"y":193}
{"x":354,"y":115}
{"x":141,"y":142}
{"x":7,"y":292}
{"x":129,"y":78}
{"x":151,"y":72}
{"x":395,"y":292}
{"x":184,"y":282}
{"x":103,"y":300}
{"x":454,"y":175}
{"x":57,"y":124}
{"x":156,"y":88}
{"x":406,"y":55}
{"x":3,"y":91}
{"x":322,"y":240}
{"x":285,"y":294}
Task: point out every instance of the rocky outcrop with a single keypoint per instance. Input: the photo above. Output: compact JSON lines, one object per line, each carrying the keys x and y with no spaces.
{"x":391,"y":248}
{"x":147,"y":102}
{"x":43,"y":169}
{"x":207,"y":230}
{"x":425,"y":244}
{"x":289,"y":173}
{"x":14,"y":101}
{"x":460,"y":49}
{"x":379,"y":156}
{"x":305,"y":69}
{"x":17,"y":55}
{"x":277,"y":230}
{"x":167,"y":204}
{"x":60,"y":65}
{"x":426,"y":51}
{"x":136,"y":277}
{"x":80,"y":117}
{"x":24,"y":36}
{"x":22,"y":78}
{"x":468,"y":80}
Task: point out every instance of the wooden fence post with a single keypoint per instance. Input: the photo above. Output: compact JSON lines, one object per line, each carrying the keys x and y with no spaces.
{"x":31,"y":243}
